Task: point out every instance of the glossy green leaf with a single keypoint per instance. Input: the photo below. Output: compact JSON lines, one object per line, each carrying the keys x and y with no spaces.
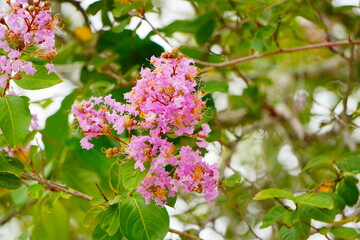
{"x":139,"y":220}
{"x":14,"y":119}
{"x":316,"y":200}
{"x":109,"y":221}
{"x":344,"y":232}
{"x":351,"y":164}
{"x":273,"y":215}
{"x":40,"y":80}
{"x":9,"y":180}
{"x":319,"y":214}
{"x":348,"y":190}
{"x":273,"y":193}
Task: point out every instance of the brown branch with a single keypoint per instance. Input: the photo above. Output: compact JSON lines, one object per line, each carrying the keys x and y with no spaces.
{"x":290,"y":50}
{"x":56,"y":187}
{"x":53,"y":186}
{"x":183,"y":234}
{"x":155,"y":29}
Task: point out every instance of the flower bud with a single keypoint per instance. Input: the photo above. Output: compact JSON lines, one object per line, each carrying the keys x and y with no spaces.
{"x":17,"y":76}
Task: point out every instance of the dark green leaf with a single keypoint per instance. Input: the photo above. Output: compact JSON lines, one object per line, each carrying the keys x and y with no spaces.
{"x":8,"y":164}
{"x":94,"y":7}
{"x":348,"y":190}
{"x":207,"y":24}
{"x":109,"y":221}
{"x":319,"y":214}
{"x":9,"y":180}
{"x":14,"y":119}
{"x":41,"y":79}
{"x":139,"y":220}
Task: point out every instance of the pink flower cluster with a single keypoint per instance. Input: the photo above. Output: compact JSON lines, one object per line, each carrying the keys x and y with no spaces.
{"x":24,"y":25}
{"x":164,"y":101}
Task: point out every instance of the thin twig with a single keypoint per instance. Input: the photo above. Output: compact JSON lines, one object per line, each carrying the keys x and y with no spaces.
{"x":56,"y":187}
{"x":102,"y":194}
{"x":183,"y":234}
{"x":155,"y":30}
{"x":290,"y":50}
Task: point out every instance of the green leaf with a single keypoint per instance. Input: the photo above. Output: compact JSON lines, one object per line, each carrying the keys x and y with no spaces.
{"x":266,"y":31}
{"x":9,"y":180}
{"x":348,"y":190}
{"x":351,"y":164}
{"x":318,"y":162}
{"x":206,"y":27}
{"x":12,"y":165}
{"x":291,"y":217}
{"x":35,"y":191}
{"x":139,"y":220}
{"x":92,"y":215}
{"x":57,"y":128}
{"x":316,"y":200}
{"x":3,"y":141}
{"x":273,"y":215}
{"x":14,"y":119}
{"x":301,"y":230}
{"x":40,"y":80}
{"x":94,"y":8}
{"x":344,"y":233}
{"x":213,"y":86}
{"x":319,"y":214}
{"x":131,"y":177}
{"x":233,"y":180}
{"x":115,"y":177}
{"x":109,"y":221}
{"x":99,"y":234}
{"x":20,"y":196}
{"x":273,"y":193}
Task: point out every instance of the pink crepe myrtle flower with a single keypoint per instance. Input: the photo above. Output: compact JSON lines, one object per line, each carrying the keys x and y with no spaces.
{"x":164,"y":101}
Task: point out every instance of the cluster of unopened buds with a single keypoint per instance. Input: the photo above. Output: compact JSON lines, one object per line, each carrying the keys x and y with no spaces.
{"x":26,"y":27}
{"x":164,"y":102}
